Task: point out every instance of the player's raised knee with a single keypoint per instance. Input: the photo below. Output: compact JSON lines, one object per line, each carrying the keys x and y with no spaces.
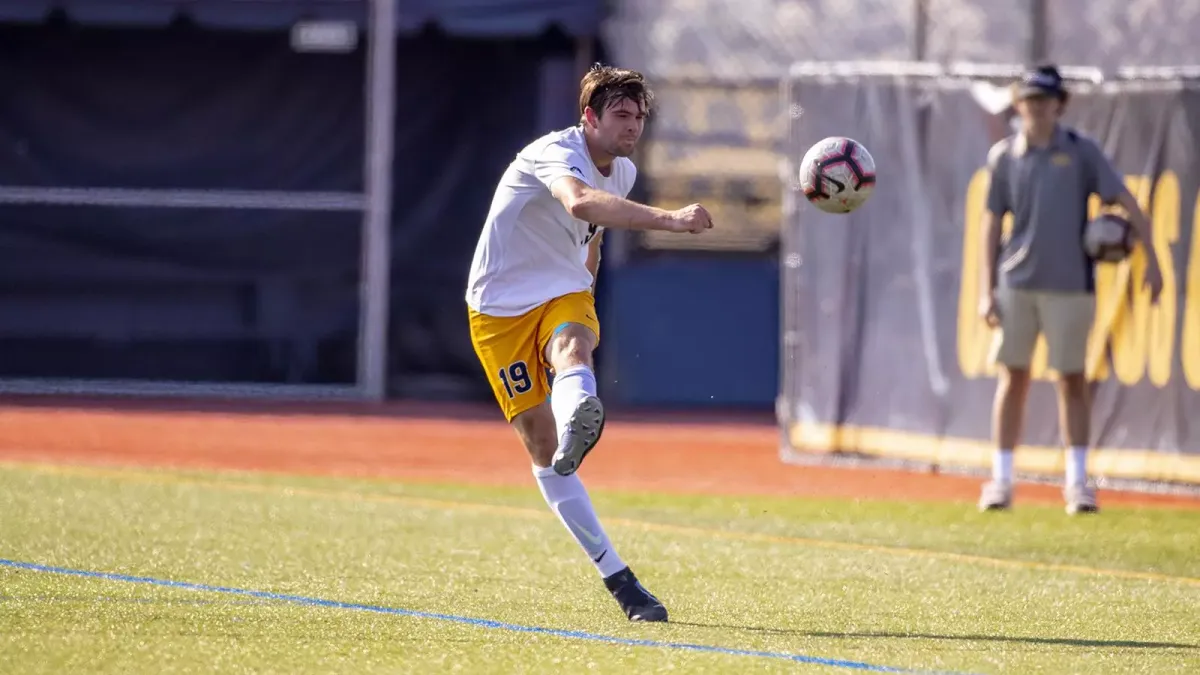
{"x":571,"y":345}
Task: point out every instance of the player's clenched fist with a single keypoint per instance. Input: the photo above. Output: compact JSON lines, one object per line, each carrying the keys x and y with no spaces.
{"x":693,"y":218}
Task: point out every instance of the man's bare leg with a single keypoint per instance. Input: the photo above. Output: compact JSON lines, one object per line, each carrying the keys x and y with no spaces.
{"x":1008,"y":417}
{"x":1074,"y":418}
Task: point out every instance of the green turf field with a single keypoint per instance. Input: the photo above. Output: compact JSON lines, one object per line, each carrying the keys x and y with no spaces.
{"x":867,"y":584}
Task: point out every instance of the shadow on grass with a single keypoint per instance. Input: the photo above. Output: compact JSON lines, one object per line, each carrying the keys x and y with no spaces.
{"x":1070,"y":642}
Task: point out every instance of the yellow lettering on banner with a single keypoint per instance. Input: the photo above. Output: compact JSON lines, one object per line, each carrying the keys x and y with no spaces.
{"x":974,"y":336}
{"x":1129,"y":329}
{"x":1097,"y":361}
{"x":1165,"y":232}
{"x":1191,"y":314}
{"x":1141,"y":335}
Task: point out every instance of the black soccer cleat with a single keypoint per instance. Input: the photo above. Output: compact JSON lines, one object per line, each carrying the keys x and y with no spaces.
{"x":637,"y":603}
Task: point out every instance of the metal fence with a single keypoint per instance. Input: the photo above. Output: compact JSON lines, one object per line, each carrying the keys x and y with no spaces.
{"x":372,"y":205}
{"x":759,"y":38}
{"x":716,"y":65}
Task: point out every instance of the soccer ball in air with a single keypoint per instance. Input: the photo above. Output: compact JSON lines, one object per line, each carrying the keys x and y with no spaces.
{"x":1108,"y":238}
{"x":837,"y":174}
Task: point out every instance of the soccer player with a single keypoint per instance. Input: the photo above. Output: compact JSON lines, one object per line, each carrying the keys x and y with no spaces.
{"x":1041,"y":280}
{"x":530,"y":302}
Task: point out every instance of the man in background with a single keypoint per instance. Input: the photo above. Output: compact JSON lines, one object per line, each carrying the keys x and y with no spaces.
{"x":1040,"y":280}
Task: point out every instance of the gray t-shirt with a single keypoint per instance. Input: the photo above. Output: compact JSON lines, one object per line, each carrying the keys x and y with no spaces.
{"x":1047,"y":191}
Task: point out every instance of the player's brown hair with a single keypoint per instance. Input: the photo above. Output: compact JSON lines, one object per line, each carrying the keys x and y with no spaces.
{"x":604,"y":86}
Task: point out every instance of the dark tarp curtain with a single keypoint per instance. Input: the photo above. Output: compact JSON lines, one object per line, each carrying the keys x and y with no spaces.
{"x":479,"y":18}
{"x":243,"y":295}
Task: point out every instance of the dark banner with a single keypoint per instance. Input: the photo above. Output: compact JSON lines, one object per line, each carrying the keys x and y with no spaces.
{"x":200,"y":294}
{"x":883,"y":351}
{"x":260,"y":295}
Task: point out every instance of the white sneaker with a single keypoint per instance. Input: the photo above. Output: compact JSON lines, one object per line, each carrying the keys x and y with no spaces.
{"x":583,"y":432}
{"x":1080,"y":499}
{"x":996,"y":496}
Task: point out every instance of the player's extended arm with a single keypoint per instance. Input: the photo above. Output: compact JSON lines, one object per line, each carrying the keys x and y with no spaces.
{"x":608,"y":210}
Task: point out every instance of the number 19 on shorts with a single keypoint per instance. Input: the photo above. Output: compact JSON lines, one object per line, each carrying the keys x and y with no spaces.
{"x":516,"y":379}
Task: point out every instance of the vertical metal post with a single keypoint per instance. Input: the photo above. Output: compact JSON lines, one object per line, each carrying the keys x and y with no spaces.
{"x":920,"y":35}
{"x":920,"y":52}
{"x":1039,"y":28}
{"x":375,"y":275}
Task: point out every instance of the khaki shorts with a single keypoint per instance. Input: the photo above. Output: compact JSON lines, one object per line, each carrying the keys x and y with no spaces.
{"x":1064,"y":318}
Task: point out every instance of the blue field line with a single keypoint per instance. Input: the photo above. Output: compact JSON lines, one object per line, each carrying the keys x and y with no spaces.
{"x":481,"y":623}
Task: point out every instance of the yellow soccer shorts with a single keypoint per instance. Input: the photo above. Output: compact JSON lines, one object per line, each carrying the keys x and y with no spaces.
{"x":512,"y":349}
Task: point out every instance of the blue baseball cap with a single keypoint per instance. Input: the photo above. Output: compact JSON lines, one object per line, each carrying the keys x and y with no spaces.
{"x":1042,"y":81}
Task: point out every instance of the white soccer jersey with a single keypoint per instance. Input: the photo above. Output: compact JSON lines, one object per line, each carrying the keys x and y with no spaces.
{"x":531,"y":249}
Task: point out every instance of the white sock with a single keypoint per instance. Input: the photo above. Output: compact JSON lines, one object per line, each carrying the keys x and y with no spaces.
{"x":570,"y":387}
{"x":569,"y":500}
{"x":1077,"y":465}
{"x":1002,"y":466}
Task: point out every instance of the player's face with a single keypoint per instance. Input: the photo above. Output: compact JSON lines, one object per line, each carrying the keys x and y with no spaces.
{"x":620,"y":127}
{"x":1039,"y":111}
